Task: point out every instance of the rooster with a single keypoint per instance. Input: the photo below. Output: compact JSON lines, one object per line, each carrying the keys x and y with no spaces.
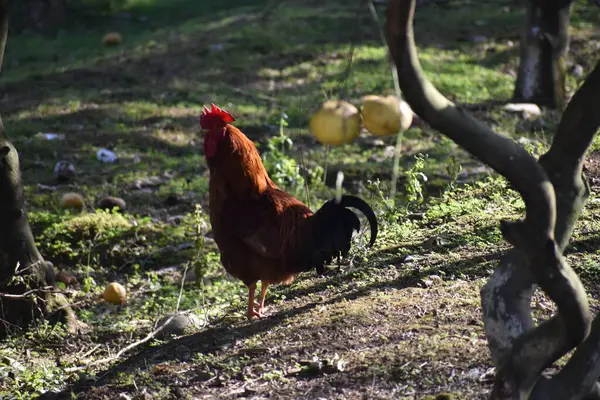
{"x":263,"y":233}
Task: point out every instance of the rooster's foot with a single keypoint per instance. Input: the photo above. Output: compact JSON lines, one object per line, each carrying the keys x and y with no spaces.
{"x":254,"y":313}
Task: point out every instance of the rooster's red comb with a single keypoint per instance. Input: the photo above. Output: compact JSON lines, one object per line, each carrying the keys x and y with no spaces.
{"x":217,"y":112}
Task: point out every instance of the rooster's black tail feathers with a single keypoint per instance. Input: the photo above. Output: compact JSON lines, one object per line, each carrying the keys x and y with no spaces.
{"x":332,"y":230}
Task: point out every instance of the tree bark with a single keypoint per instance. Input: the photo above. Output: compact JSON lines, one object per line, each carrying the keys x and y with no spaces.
{"x":27,"y":281}
{"x":544,"y":45}
{"x":554,"y":192}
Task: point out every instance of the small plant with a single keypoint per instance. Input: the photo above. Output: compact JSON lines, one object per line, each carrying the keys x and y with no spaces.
{"x":535,"y":146}
{"x":283,"y":169}
{"x":200,"y":260}
{"x":385,"y":207}
{"x":454,"y":169}
{"x":414,"y":176}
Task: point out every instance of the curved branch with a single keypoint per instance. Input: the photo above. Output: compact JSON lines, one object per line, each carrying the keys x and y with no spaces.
{"x":508,"y":158}
{"x":579,"y":122}
{"x":3,"y":28}
{"x":579,"y":377}
{"x":564,"y":160}
{"x":539,"y":347}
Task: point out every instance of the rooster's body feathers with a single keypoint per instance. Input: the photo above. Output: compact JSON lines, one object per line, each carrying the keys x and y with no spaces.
{"x":262,"y":232}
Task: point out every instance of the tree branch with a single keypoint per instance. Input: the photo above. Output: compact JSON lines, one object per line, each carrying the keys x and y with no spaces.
{"x":539,"y":347}
{"x":579,"y":377}
{"x":564,"y":163}
{"x":3,"y":37}
{"x":3,"y":29}
{"x":508,"y":158}
{"x":564,"y":160}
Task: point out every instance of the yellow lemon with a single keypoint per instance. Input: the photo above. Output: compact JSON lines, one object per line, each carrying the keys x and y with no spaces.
{"x":115,"y":293}
{"x":112,"y":39}
{"x":72,"y":200}
{"x":336,"y":122}
{"x":385,"y":115}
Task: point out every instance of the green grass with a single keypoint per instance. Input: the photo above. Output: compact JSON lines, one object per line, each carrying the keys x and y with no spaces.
{"x":404,"y":316}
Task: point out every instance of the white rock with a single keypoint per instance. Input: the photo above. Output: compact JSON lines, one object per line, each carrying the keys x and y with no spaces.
{"x":528,"y":110}
{"x":106,"y":156}
{"x":50,"y":136}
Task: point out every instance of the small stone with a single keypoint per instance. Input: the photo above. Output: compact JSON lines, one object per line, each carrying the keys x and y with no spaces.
{"x":49,"y":136}
{"x":474,"y":373}
{"x":479,"y":39}
{"x":172,"y":200}
{"x":432,"y":242}
{"x":389,"y":152}
{"x":577,"y":71}
{"x":179,"y":325}
{"x":175,"y":219}
{"x":410,"y":258}
{"x":67,"y":279}
{"x":110,"y":202}
{"x":432,"y":280}
{"x":216,"y":47}
{"x":527,"y":110}
{"x":64,"y":171}
{"x":106,"y":156}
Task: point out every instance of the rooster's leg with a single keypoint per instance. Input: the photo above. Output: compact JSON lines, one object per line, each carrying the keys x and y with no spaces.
{"x":263,"y":292}
{"x":251,"y":311}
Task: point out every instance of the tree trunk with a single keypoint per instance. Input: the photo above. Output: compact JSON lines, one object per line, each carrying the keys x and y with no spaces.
{"x":544,"y":45}
{"x":27,"y":281}
{"x":554,"y":191}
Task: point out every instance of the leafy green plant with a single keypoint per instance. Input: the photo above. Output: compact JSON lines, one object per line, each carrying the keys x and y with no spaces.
{"x":414,"y":176}
{"x":200,"y":262}
{"x":384,"y":206}
{"x":454,"y":168}
{"x":535,"y":146}
{"x":283,"y":169}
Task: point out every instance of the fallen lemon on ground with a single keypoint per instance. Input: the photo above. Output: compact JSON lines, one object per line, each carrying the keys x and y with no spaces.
{"x":115,"y":293}
{"x":336,"y":122}
{"x":385,"y":115}
{"x":72,"y":200}
{"x":112,"y":39}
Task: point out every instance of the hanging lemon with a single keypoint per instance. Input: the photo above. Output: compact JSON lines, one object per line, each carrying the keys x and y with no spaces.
{"x":385,"y":115}
{"x":115,"y":293}
{"x":336,"y":122}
